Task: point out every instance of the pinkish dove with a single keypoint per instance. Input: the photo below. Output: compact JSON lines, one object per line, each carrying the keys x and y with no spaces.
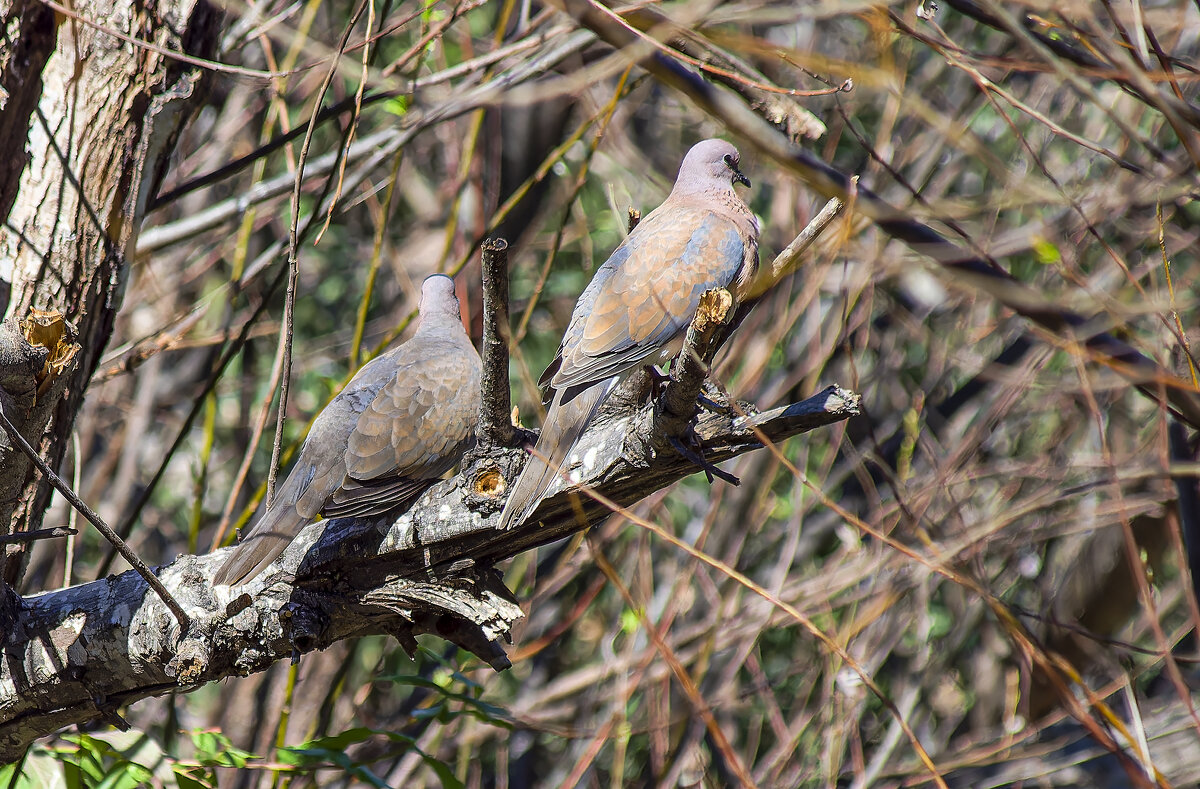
{"x":639,"y":304}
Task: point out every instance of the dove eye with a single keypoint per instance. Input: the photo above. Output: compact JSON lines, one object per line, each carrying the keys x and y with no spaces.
{"x":728,"y":159}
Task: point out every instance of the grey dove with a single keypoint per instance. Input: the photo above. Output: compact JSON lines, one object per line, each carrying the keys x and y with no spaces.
{"x":401,"y":423}
{"x":637,"y":308}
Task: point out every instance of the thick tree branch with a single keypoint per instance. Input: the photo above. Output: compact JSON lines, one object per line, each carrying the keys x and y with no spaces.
{"x":78,"y":654}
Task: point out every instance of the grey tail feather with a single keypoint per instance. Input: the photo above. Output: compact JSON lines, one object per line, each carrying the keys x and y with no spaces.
{"x":269,"y":537}
{"x":565,"y":423}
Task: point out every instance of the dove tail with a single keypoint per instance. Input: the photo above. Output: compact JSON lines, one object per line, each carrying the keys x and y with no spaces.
{"x":262,"y":545}
{"x":565,"y":423}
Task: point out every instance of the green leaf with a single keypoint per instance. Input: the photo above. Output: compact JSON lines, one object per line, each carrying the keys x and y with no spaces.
{"x":215,"y":749}
{"x":194,"y":778}
{"x":72,"y":776}
{"x":397,"y":106}
{"x":1047,"y":254}
{"x":126,"y":775}
{"x":331,"y":751}
{"x":40,"y":770}
{"x":629,"y":621}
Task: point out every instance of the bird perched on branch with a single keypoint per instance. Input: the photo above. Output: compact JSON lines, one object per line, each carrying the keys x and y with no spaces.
{"x":401,"y":423}
{"x":637,"y":308}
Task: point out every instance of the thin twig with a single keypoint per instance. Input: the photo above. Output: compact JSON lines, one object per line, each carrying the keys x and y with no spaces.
{"x":1188,"y":498}
{"x":604,"y":117}
{"x":260,"y":424}
{"x":65,"y":490}
{"x":293,"y":262}
{"x":364,"y":304}
{"x":185,"y":428}
{"x":495,"y":410}
{"x":686,"y":682}
{"x":73,"y":517}
{"x":788,"y":260}
{"x":463,"y":69}
{"x":38,"y":534}
{"x":270,"y":146}
{"x":352,"y":126}
{"x":380,"y":145}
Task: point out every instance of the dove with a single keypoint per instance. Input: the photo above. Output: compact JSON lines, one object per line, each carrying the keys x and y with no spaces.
{"x":637,"y":308}
{"x":402,"y":422}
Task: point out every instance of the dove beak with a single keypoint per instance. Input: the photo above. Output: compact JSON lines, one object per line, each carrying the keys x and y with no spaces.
{"x":738,"y":178}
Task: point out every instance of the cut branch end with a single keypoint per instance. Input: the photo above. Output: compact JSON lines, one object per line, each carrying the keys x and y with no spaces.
{"x":495,"y":422}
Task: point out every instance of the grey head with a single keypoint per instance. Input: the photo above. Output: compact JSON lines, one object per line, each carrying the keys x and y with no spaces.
{"x":438,"y":301}
{"x":711,"y":165}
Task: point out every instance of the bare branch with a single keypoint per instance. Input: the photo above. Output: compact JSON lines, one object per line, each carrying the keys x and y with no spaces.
{"x":788,"y":260}
{"x":50,"y":533}
{"x":372,"y":150}
{"x":65,"y":491}
{"x":495,"y":412}
{"x":431,"y":571}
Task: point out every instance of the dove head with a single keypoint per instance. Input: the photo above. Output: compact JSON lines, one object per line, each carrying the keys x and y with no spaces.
{"x":710,"y":165}
{"x":437,"y":298}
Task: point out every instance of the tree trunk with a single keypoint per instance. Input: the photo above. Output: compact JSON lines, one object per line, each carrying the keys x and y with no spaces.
{"x":88,"y":119}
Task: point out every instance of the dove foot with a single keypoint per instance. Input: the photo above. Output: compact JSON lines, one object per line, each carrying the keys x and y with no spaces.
{"x":697,"y":458}
{"x":714,"y":400}
{"x":708,"y":404}
{"x":658,"y":380}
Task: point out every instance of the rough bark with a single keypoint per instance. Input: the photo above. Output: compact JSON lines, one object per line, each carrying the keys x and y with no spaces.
{"x":78,"y":654}
{"x":87,"y":124}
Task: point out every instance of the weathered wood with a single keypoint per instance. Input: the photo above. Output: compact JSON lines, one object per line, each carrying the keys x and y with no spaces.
{"x":495,"y":417}
{"x":77,"y":654}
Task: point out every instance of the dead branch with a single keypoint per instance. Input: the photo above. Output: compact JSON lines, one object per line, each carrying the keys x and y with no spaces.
{"x":495,"y":414}
{"x":77,"y":654}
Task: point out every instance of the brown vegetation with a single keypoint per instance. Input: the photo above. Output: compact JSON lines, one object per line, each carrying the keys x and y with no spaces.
{"x":981,"y":580}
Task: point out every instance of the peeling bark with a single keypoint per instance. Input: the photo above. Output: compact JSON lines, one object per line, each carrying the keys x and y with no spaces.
{"x":76,"y":655}
{"x":88,"y":122}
